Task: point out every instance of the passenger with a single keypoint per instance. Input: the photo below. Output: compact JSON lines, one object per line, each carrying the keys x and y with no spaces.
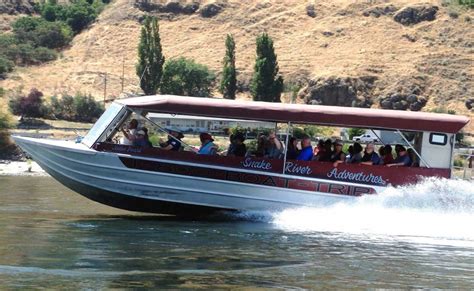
{"x":319,"y":147}
{"x":306,"y":153}
{"x":275,"y":147}
{"x":356,"y":156}
{"x":324,"y":151}
{"x":403,"y":159}
{"x":240,"y":149}
{"x":386,"y":156}
{"x":370,"y":156}
{"x":350,"y":153}
{"x":413,"y":158}
{"x":337,"y":154}
{"x":292,"y":152}
{"x":261,"y":145}
{"x":174,"y":140}
{"x":147,"y":137}
{"x":231,"y":148}
{"x":140,"y":139}
{"x":130,"y":132}
{"x":207,"y":144}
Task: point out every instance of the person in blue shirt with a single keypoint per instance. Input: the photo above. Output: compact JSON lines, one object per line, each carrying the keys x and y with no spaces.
{"x":207,"y":145}
{"x":403,"y":159}
{"x":306,"y":153}
{"x":370,"y":156}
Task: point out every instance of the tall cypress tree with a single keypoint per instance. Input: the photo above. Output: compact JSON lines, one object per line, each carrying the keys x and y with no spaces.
{"x":150,"y":57}
{"x":266,"y":85}
{"x":228,"y":84}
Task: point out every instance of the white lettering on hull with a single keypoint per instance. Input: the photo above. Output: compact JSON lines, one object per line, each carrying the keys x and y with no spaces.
{"x":293,"y":168}
{"x":259,"y":165}
{"x":356,"y":177}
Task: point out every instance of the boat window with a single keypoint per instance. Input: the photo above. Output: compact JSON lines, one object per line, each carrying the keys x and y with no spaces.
{"x":438,"y":139}
{"x":101,"y":125}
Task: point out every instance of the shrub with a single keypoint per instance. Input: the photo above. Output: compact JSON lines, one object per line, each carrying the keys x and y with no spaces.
{"x":43,"y":55}
{"x":28,"y":106}
{"x":6,"y":66}
{"x":39,"y":32}
{"x":53,"y":34}
{"x":8,"y":47}
{"x":78,"y":15}
{"x":86,"y":108}
{"x":185,"y":77}
{"x":81,"y":108}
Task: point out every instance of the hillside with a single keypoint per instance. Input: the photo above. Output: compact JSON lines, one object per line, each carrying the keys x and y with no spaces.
{"x":338,"y":47}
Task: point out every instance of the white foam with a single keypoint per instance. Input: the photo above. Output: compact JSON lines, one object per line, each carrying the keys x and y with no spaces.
{"x":438,"y":210}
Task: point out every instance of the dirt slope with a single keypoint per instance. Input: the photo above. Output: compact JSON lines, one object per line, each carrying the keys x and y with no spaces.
{"x":339,"y":42}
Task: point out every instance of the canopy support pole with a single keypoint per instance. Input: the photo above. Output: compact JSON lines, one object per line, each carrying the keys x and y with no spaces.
{"x":380,"y":140}
{"x":409,"y":144}
{"x":286,"y":145}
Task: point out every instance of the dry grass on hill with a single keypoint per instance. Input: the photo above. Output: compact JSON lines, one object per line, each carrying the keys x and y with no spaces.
{"x":338,"y":41}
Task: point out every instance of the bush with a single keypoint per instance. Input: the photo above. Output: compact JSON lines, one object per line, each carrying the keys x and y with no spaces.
{"x":78,"y":15}
{"x":53,"y":34}
{"x":8,"y":46}
{"x":43,"y":55}
{"x":39,"y":32}
{"x":6,"y":66}
{"x":87,"y":109}
{"x":82,"y":108}
{"x":185,"y":77}
{"x":28,"y":106}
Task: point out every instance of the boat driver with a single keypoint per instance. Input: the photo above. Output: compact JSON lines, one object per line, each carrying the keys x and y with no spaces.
{"x":174,"y":140}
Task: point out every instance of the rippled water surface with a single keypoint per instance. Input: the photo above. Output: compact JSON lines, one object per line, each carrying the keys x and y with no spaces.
{"x":415,"y":237}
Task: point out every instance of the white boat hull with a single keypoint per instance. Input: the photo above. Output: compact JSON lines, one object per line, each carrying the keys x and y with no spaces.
{"x":102,"y":177}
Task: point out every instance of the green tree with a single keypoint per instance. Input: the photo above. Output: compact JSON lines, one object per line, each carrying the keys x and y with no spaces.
{"x":228,"y":84}
{"x":185,"y":77}
{"x":266,"y":85}
{"x":150,"y":57}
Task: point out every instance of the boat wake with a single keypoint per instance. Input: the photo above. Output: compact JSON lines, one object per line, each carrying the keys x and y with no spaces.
{"x":435,"y":208}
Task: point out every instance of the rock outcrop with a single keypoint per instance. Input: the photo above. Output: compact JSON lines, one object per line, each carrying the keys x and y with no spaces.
{"x":378,"y":11}
{"x":336,"y":91}
{"x":405,"y":95}
{"x":210,"y":10}
{"x":172,"y":7}
{"x":17,"y":6}
{"x":415,"y":14}
{"x":469,"y":103}
{"x":310,"y":10}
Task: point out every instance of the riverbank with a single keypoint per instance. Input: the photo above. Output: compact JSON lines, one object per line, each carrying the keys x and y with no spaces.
{"x":20,"y":168}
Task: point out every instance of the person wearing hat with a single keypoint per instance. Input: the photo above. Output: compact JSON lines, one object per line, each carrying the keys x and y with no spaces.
{"x":239,"y":149}
{"x":337,"y":154}
{"x":207,"y":144}
{"x":174,"y":140}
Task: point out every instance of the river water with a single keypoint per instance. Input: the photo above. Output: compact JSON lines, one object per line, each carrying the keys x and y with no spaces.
{"x":415,"y":237}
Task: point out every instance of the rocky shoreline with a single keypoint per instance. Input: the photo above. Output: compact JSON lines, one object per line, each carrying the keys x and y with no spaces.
{"x":20,"y":168}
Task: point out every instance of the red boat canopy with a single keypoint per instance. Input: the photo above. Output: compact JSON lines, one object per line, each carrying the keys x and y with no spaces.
{"x":299,"y":113}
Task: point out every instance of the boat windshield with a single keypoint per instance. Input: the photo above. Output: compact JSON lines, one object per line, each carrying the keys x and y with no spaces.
{"x":102,"y":123}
